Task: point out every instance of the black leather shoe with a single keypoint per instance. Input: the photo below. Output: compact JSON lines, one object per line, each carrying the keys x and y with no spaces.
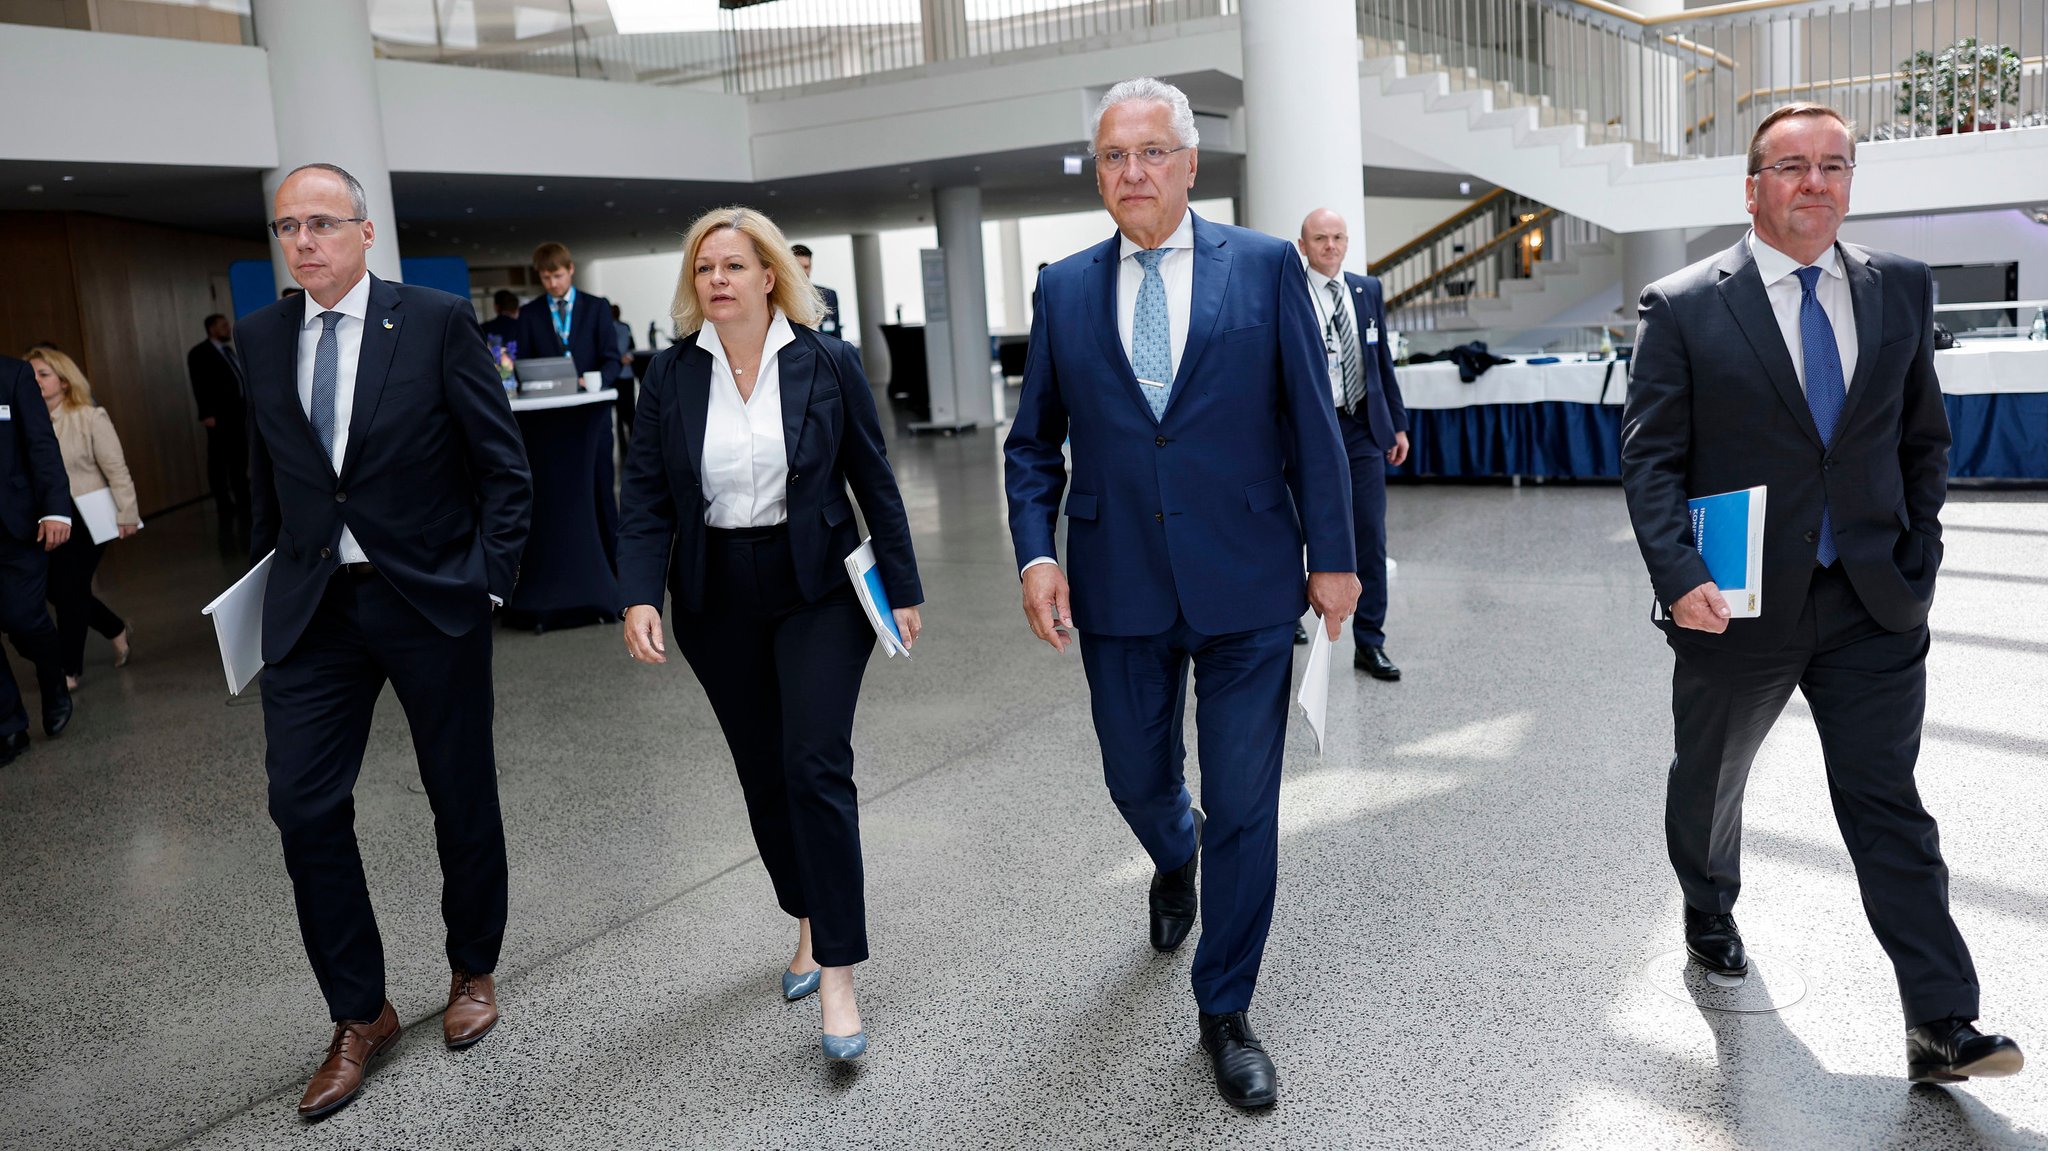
{"x":1175,"y":898}
{"x":1244,"y":1072}
{"x":1374,"y":662}
{"x":1300,"y":634}
{"x":56,"y":712}
{"x":1714,"y":943}
{"x":11,"y":746}
{"x":1953,"y":1050}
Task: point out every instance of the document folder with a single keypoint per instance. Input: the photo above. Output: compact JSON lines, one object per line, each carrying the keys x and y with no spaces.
{"x":1314,"y":696}
{"x":1729,"y":531}
{"x":97,"y":510}
{"x":867,"y":584}
{"x":238,"y":625}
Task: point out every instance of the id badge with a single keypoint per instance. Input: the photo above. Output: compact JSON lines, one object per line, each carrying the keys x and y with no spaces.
{"x":1372,"y":332}
{"x":6,"y":412}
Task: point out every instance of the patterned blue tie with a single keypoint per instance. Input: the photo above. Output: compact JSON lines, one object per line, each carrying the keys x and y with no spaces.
{"x":1825,"y":388}
{"x":1152,"y":335}
{"x":326,"y":370}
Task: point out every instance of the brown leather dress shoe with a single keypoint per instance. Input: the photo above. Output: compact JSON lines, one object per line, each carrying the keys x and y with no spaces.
{"x":472,"y":1009}
{"x":340,"y":1075}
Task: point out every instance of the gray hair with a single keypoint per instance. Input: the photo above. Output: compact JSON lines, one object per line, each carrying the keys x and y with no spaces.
{"x":1146,"y":88}
{"x":358,"y":201}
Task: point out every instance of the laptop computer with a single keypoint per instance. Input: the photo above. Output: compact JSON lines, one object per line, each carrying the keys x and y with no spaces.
{"x":545,"y":375}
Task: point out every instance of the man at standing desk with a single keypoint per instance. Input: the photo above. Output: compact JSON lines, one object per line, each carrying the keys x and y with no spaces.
{"x":1181,"y":358}
{"x":565,"y":321}
{"x":1806,"y":365}
{"x":1370,"y":415}
{"x":390,"y":479}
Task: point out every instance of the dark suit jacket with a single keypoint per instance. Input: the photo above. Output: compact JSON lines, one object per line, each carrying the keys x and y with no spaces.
{"x":1714,"y":405}
{"x":830,"y":323}
{"x":506,"y":328}
{"x":214,"y":387}
{"x":1204,"y":512}
{"x":33,"y":483}
{"x":592,"y":338}
{"x":834,"y":438}
{"x":1385,"y":414}
{"x":434,"y":485}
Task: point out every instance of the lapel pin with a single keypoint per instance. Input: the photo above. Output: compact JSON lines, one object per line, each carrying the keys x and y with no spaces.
{"x":387,"y":325}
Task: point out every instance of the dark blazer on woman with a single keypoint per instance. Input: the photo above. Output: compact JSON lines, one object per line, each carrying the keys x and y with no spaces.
{"x":834,"y":438}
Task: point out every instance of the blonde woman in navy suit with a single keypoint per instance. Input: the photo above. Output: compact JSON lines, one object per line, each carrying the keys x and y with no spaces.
{"x":749,"y":433}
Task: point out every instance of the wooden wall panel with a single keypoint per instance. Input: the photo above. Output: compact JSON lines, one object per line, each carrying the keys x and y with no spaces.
{"x":44,"y":303}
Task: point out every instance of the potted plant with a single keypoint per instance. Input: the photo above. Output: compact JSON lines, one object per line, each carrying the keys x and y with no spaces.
{"x":1959,"y":89}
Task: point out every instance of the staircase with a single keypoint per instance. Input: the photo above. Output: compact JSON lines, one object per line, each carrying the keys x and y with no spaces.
{"x":1503,"y":261}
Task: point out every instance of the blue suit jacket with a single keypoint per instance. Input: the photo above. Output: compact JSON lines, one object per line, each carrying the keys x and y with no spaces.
{"x":434,"y":485}
{"x":1385,"y":414}
{"x":33,"y":483}
{"x":593,"y":341}
{"x":1204,"y":512}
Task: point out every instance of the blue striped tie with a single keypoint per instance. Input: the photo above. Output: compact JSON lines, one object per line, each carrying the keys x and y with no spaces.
{"x":1825,"y":389}
{"x":1152,"y":334}
{"x":326,"y":373}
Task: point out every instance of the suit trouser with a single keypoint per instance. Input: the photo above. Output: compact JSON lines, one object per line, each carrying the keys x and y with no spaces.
{"x":227,"y":463}
{"x":1137,"y":687}
{"x":783,"y":676}
{"x":1369,"y":528}
{"x":317,"y":706}
{"x":78,"y":609}
{"x":24,"y":571}
{"x":1867,"y":689}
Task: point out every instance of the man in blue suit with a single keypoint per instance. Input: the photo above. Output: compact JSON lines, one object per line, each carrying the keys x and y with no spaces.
{"x":35,"y":519}
{"x":1180,"y":357}
{"x":830,"y":324}
{"x":1374,"y":422}
{"x":564,"y":321}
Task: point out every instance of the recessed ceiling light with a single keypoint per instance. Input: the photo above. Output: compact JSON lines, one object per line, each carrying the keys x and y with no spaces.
{"x":472,"y":211}
{"x":35,"y":189}
{"x":68,"y":179}
{"x":610,"y":203}
{"x":540,"y":187}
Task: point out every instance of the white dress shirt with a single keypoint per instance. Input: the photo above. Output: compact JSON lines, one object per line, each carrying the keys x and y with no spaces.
{"x":745,"y":463}
{"x":1317,"y":286}
{"x":348,"y":340}
{"x":1177,"y":269}
{"x":1832,"y":290}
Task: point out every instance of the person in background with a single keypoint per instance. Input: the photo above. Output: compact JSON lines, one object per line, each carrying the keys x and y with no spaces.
{"x":504,"y":325}
{"x":829,"y":323}
{"x":92,"y":462}
{"x":35,"y":519}
{"x":735,"y":507}
{"x":215,"y":369}
{"x":624,"y":384}
{"x":563,"y":321}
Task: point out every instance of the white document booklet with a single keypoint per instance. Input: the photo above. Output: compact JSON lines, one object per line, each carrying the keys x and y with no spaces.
{"x":97,"y":509}
{"x":1314,"y":696}
{"x":867,"y":584}
{"x":238,"y":625}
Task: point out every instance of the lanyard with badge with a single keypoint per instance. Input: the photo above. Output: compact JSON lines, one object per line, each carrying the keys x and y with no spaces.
{"x":561,"y":311}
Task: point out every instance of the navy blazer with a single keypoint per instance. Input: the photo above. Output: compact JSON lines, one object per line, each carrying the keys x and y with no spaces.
{"x":593,"y":340}
{"x":830,"y":323}
{"x":215,"y":390}
{"x":833,"y":435}
{"x":33,"y":483}
{"x":1390,"y":415}
{"x":1714,"y":405}
{"x":434,"y":485}
{"x":1204,"y":512}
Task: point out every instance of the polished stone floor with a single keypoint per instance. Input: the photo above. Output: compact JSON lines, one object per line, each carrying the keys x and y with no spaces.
{"x":1470,"y":950}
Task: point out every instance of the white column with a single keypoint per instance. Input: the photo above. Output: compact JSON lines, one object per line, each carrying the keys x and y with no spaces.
{"x":1016,"y":288}
{"x":868,"y":290}
{"x":1302,"y":135}
{"x":959,"y":218}
{"x":1647,"y":257}
{"x":323,"y":92}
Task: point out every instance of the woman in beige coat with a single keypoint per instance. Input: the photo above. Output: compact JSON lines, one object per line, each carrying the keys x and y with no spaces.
{"x":93,"y":460}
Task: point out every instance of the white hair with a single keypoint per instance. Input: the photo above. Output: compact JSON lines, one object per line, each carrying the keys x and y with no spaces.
{"x":1146,"y":88}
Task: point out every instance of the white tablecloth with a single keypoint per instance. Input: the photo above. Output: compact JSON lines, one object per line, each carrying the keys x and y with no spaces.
{"x":1987,"y":368}
{"x":562,"y":400}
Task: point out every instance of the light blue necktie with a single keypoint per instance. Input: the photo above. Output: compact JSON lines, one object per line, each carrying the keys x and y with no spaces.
{"x":326,"y":370}
{"x":1825,"y":389}
{"x":1152,"y":335}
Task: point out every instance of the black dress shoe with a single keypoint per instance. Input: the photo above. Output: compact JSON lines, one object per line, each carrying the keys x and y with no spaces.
{"x":1374,"y":662}
{"x":1175,"y":898}
{"x":11,"y":747}
{"x":1244,"y":1072}
{"x":1714,"y":943}
{"x":1953,"y":1050}
{"x":1300,"y":634}
{"x":56,"y":712}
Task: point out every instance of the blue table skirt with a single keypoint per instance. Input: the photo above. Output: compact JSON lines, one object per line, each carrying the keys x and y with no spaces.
{"x":569,"y":573}
{"x":2003,"y":435}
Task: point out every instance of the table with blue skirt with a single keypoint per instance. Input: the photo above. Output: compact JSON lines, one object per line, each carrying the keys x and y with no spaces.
{"x":568,"y":575}
{"x":1563,"y":419}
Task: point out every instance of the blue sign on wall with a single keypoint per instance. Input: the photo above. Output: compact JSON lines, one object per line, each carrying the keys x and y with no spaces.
{"x":253,"y":284}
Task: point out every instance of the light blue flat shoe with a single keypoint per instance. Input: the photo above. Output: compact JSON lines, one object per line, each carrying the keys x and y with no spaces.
{"x":795,"y":987}
{"x":844,"y":1047}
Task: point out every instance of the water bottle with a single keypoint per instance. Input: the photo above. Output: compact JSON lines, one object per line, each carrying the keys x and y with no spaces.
{"x":2040,"y":329}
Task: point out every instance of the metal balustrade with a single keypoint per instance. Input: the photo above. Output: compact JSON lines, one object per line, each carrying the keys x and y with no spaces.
{"x":1497,"y":238}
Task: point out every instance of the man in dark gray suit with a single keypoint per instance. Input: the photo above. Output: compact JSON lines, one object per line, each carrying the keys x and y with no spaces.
{"x":1806,"y":365}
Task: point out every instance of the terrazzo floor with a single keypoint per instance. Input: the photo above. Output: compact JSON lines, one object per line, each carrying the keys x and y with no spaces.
{"x":1470,"y":949}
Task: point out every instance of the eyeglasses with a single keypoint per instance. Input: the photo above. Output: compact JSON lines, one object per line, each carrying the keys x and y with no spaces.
{"x":321,"y":226}
{"x":1796,"y":171}
{"x":1115,"y":159}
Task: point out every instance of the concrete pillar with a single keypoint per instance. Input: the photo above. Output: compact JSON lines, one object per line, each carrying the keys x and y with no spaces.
{"x":959,"y":218}
{"x":869,"y":291}
{"x":1016,"y":285}
{"x":1303,"y":149}
{"x":323,"y":92}
{"x":944,"y":25}
{"x":1647,"y":257}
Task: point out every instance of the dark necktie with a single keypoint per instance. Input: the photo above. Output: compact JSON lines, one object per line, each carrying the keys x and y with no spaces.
{"x":1347,"y":347}
{"x":234,"y":360}
{"x":326,"y":377}
{"x":1825,"y":388}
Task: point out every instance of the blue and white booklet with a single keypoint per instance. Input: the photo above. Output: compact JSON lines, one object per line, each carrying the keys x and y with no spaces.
{"x":1729,"y":530}
{"x":867,"y":584}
